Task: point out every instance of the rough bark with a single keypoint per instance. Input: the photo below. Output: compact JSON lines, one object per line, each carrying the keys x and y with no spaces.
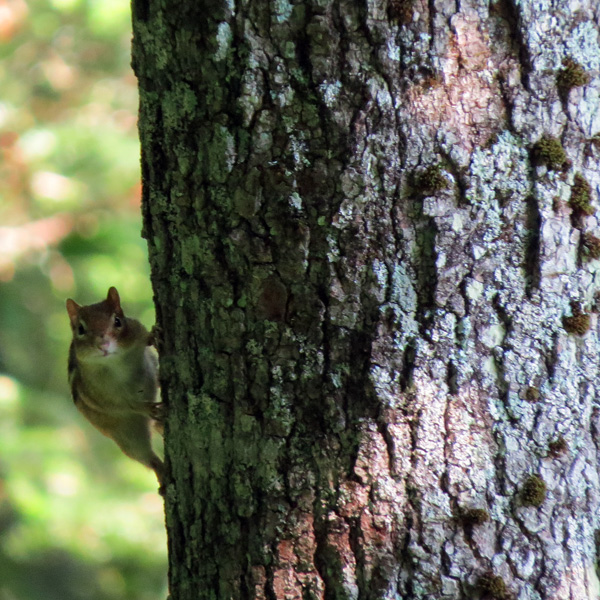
{"x":364,"y":261}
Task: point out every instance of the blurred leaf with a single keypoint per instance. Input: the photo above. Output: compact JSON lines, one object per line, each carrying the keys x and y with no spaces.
{"x":70,"y":502}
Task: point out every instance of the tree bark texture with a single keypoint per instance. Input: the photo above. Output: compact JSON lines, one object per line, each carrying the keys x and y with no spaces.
{"x":371,"y":228}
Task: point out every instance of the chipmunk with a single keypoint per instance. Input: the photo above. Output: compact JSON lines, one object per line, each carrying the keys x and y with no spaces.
{"x":113,"y":374}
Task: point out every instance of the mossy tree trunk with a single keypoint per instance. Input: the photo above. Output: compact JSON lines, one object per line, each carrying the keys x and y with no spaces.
{"x":372,"y":233}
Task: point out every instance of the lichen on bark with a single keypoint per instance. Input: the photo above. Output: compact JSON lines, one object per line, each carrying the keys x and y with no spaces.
{"x":347,"y":357}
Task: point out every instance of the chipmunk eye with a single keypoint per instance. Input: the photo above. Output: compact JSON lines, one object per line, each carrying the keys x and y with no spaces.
{"x":81,"y":329}
{"x":117,"y":322}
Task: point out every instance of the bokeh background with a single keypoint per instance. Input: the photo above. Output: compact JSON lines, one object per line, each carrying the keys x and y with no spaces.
{"x":77,"y":519}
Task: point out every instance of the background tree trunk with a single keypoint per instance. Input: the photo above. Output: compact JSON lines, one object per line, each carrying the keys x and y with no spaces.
{"x":362,"y":256}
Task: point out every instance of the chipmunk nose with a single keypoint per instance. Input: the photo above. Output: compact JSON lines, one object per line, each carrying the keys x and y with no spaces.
{"x":107,"y":345}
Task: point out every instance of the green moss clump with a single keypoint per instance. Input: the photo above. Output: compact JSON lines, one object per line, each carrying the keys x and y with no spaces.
{"x":401,"y":11}
{"x":493,"y":586}
{"x":571,"y":75}
{"x":558,"y":446}
{"x":532,"y":394}
{"x":533,"y":492}
{"x":431,"y":80}
{"x":549,"y":151}
{"x":581,"y":194}
{"x":432,"y":179}
{"x":475,"y":516}
{"x":590,"y":246}
{"x":578,"y":324}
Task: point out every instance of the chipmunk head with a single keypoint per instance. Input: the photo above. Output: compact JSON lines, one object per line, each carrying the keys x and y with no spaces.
{"x":98,"y":328}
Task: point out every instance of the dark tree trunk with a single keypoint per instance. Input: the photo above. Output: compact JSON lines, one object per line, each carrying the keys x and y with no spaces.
{"x":375,"y":273}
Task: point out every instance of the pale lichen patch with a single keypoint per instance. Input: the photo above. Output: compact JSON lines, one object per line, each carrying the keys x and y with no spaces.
{"x":283,"y":10}
{"x":330,"y":91}
{"x":224,"y":37}
{"x":499,"y":171}
{"x":583,"y":45}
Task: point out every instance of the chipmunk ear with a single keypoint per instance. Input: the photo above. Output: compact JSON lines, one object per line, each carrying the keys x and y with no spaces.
{"x":113,"y":299}
{"x":73,"y":310}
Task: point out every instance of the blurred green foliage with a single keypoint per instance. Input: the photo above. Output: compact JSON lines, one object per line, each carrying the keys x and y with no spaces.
{"x":77,"y":519}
